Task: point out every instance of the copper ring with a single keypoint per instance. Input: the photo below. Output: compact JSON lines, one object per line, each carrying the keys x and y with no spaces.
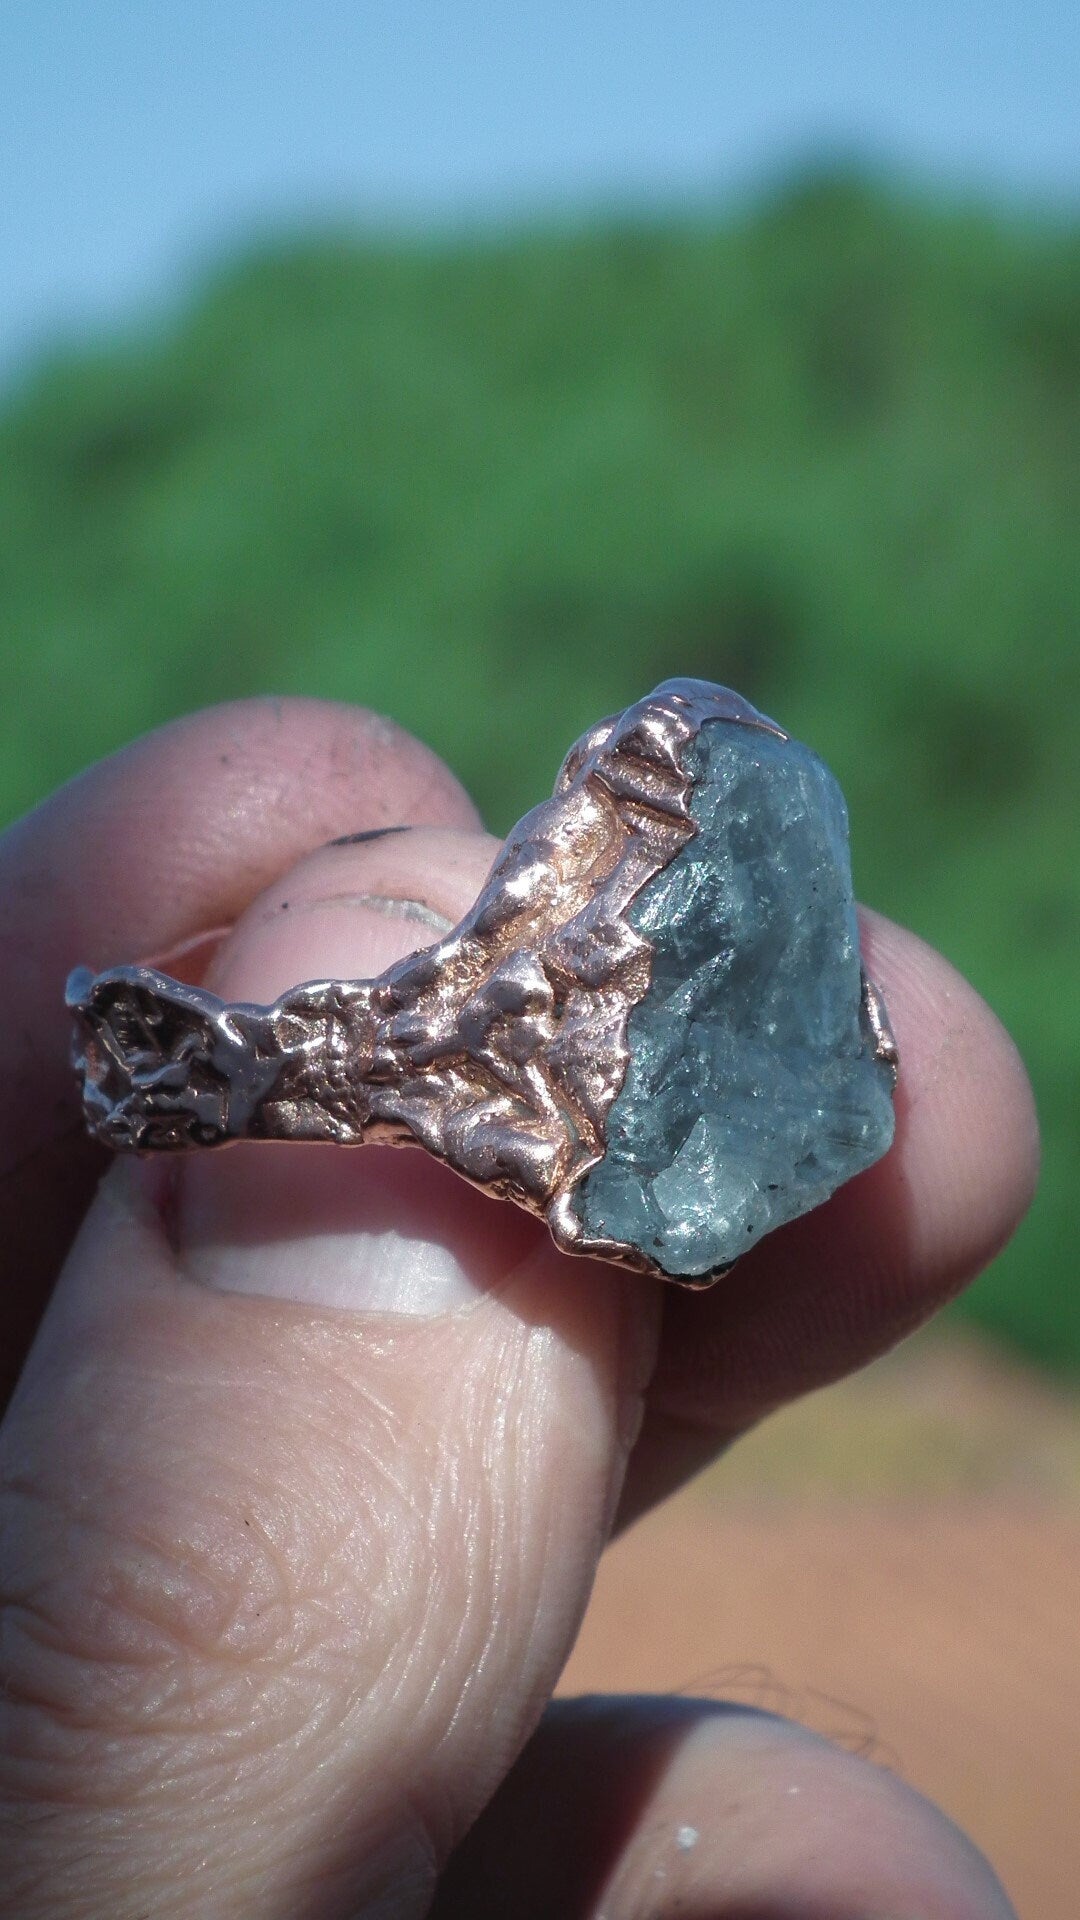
{"x":499,"y":1048}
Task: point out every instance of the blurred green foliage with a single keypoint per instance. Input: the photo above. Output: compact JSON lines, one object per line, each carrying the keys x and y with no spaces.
{"x":825,"y":451}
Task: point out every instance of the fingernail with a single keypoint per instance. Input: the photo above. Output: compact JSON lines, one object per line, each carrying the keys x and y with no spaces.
{"x":376,"y":1229}
{"x":363,"y":1228}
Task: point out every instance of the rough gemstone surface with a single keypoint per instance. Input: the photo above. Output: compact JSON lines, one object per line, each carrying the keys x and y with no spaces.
{"x":753,"y":1090}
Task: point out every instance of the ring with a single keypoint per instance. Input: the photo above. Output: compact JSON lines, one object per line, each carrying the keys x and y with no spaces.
{"x":652,"y":1029}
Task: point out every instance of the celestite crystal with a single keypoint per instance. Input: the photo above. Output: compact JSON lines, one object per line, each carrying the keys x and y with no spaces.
{"x":753,"y":1090}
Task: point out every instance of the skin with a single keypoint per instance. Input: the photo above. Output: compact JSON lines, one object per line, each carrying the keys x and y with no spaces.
{"x":288,"y":1584}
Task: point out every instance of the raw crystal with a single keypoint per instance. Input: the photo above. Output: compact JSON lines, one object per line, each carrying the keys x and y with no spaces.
{"x":753,"y":1090}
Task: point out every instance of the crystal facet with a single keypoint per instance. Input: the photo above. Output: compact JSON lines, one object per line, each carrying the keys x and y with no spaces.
{"x":753,"y":1088}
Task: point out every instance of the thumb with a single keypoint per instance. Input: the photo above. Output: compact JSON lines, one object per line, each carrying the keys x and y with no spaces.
{"x":305,"y":1485}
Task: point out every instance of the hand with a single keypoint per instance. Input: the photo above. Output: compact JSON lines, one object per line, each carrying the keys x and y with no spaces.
{"x":314,"y":1453}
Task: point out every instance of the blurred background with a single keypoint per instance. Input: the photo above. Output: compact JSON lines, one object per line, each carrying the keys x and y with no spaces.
{"x":488,"y":364}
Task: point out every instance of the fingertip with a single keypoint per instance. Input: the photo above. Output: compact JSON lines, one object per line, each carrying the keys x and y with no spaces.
{"x":238,"y":792}
{"x":640,"y":1805}
{"x":967,"y":1149}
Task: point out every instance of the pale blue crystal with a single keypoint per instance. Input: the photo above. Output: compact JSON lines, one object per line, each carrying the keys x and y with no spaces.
{"x":753,"y":1089}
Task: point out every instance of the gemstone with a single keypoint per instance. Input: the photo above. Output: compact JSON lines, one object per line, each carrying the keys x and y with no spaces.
{"x":754,"y":1086}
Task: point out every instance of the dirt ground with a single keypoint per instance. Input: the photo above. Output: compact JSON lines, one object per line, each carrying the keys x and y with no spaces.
{"x":895,"y":1562}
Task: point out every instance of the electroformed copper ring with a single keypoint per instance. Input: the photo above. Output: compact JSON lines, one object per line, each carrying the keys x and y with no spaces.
{"x":503,"y":1047}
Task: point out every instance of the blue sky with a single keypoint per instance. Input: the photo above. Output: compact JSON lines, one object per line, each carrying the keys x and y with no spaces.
{"x":138,"y":136}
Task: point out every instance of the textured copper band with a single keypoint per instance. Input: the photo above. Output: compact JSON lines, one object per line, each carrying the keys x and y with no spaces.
{"x":500,"y":1048}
